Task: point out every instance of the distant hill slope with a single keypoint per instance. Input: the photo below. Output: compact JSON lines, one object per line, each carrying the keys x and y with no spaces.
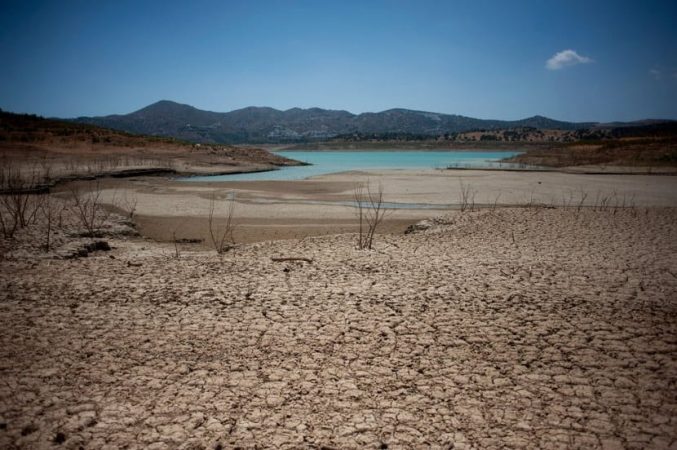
{"x":261,"y":124}
{"x":26,"y":136}
{"x":33,"y":129}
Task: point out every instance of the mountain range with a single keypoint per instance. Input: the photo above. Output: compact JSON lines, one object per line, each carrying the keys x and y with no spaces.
{"x":269,"y":125}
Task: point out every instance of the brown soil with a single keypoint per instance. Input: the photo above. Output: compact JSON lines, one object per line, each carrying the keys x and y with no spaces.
{"x":649,"y":154}
{"x":520,"y":328}
{"x":167,"y":228}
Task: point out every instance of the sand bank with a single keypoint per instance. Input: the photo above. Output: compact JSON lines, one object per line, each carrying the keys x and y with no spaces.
{"x":268,"y":210}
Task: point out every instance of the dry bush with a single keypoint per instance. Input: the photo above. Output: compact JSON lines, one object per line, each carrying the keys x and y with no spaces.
{"x":370,"y":213}
{"x":567,"y":201}
{"x":45,"y":169}
{"x":610,"y":202}
{"x":128,"y":202}
{"x":176,"y":241}
{"x":19,"y":199}
{"x":581,"y":202}
{"x":89,"y":208}
{"x":49,"y":211}
{"x":495,"y":204}
{"x":221,"y":234}
{"x":177,"y":252}
{"x":531,"y":203}
{"x":467,"y":197}
{"x":624,"y":203}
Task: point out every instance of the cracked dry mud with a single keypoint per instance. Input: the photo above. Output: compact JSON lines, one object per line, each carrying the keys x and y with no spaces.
{"x":514,"y":328}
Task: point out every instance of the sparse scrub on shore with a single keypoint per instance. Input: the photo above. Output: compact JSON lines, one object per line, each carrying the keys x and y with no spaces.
{"x":178,"y":241}
{"x":128,"y":202}
{"x":89,"y":208}
{"x":110,"y":164}
{"x":19,"y":202}
{"x":49,"y":212}
{"x":221,"y":234}
{"x":613,"y":202}
{"x":467,"y":197}
{"x":25,"y":201}
{"x":495,"y":204}
{"x":581,"y":202}
{"x":531,"y":203}
{"x":370,"y":213}
{"x":602,"y":202}
{"x":567,"y":201}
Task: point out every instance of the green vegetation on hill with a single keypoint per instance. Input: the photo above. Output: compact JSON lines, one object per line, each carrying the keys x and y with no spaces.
{"x":648,"y":143}
{"x":30,"y":128}
{"x":268,"y":125}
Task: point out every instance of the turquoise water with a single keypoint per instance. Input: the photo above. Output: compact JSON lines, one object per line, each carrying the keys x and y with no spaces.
{"x":326,"y":162}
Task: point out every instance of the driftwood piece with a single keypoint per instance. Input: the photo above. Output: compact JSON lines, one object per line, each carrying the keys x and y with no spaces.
{"x":308,"y":260}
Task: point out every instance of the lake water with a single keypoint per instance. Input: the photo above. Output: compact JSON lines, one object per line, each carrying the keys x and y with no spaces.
{"x":325,"y":162}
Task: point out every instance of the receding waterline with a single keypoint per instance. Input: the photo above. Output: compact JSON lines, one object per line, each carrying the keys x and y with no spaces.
{"x":327,"y":162}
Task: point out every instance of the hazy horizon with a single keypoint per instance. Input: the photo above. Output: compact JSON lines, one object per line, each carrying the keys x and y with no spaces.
{"x":570,"y":61}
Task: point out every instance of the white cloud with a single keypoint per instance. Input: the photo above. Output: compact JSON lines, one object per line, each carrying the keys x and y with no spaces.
{"x":566,"y":58}
{"x":660,"y":73}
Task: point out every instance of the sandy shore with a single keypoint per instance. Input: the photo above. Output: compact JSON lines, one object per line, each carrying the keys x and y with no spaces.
{"x":519,"y":328}
{"x":267,"y":210}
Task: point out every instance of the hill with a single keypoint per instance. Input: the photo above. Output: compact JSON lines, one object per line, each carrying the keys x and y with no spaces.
{"x":68,"y":148}
{"x":33,"y":129}
{"x":269,"y":125}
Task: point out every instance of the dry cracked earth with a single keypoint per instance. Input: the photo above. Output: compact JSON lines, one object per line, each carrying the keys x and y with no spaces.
{"x":524,"y":328}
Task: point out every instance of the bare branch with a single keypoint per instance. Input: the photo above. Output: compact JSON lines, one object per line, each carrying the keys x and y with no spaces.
{"x":222,"y":235}
{"x":90,"y":211}
{"x":467,"y":197}
{"x":370,"y":212}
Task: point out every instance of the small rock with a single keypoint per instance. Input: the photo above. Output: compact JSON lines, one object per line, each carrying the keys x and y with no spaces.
{"x":419,"y":226}
{"x":28,"y":429}
{"x":60,"y":438}
{"x":98,"y":246}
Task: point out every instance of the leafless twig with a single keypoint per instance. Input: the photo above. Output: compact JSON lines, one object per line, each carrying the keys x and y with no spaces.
{"x":467,"y":197}
{"x":370,"y":213}
{"x":222,"y":235}
{"x":89,"y":208}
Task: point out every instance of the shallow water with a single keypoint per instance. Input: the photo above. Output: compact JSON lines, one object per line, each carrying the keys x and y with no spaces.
{"x":326,"y":162}
{"x":386,"y":205}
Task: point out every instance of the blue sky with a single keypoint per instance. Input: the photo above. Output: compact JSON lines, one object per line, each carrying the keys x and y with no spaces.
{"x":486,"y":59}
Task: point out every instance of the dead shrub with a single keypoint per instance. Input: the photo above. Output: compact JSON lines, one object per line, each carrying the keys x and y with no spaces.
{"x":221,"y":233}
{"x":467,"y":197}
{"x":19,"y":199}
{"x":370,"y":213}
{"x":89,"y":208}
